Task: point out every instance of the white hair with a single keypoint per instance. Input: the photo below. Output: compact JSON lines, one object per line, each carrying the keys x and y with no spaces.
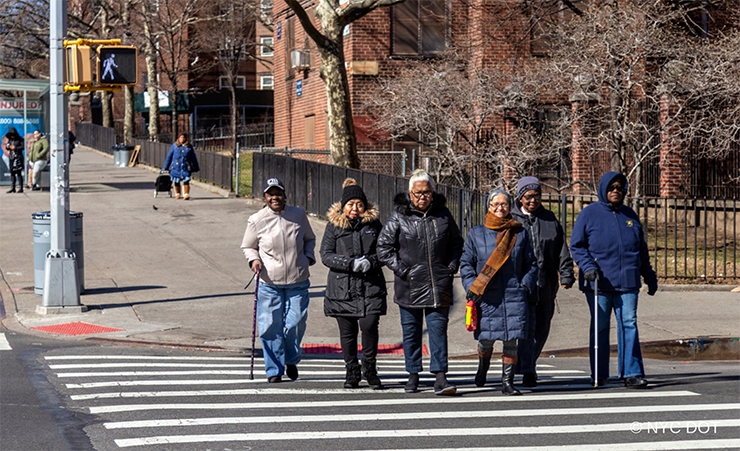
{"x":420,"y":175}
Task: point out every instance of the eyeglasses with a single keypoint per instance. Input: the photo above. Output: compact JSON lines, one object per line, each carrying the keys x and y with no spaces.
{"x":421,"y":194}
{"x":497,"y":206}
{"x":619,"y":188}
{"x":533,"y":196}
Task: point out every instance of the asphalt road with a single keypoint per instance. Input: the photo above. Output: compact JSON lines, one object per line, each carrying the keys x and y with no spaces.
{"x":59,"y":395}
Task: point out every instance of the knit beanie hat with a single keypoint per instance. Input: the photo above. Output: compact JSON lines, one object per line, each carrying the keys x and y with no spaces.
{"x":352,"y":191}
{"x":525,"y":184}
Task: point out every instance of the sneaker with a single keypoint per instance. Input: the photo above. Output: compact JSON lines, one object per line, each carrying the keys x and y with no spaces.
{"x":35,"y":188}
{"x":635,"y":382}
{"x":413,"y":383}
{"x":274,"y":379}
{"x":529,"y":380}
{"x":442,"y":386}
{"x":291,"y":371}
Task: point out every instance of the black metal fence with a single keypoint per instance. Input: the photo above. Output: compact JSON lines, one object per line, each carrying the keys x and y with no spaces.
{"x":214,"y":168}
{"x":689,"y":239}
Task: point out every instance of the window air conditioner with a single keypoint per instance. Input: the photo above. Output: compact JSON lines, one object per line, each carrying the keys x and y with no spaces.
{"x":300,"y":59}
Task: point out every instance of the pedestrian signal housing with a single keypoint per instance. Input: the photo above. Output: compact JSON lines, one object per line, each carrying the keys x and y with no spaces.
{"x":117,"y":65}
{"x":78,"y":59}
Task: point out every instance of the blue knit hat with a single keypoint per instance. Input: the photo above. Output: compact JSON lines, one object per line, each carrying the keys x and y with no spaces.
{"x":525,"y":184}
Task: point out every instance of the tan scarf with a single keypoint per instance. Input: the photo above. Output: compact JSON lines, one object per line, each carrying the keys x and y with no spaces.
{"x":505,"y":240}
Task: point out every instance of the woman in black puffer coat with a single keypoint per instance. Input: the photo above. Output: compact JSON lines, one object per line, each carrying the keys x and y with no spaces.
{"x":422,"y":245}
{"x":355,"y":289}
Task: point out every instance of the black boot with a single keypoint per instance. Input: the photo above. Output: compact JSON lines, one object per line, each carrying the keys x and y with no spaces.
{"x":507,"y":380}
{"x":442,"y":386}
{"x":370,"y":374}
{"x":412,"y":384}
{"x":484,"y":362}
{"x":353,"y":377}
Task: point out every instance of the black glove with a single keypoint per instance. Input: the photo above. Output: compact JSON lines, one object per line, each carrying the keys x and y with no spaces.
{"x":591,"y":275}
{"x":652,"y":288}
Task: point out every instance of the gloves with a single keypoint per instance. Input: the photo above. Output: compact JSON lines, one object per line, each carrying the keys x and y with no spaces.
{"x":652,"y":288}
{"x":591,"y":275}
{"x":361,"y":264}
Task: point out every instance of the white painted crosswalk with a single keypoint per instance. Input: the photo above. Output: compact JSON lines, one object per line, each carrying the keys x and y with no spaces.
{"x":138,"y":401}
{"x":4,"y":345}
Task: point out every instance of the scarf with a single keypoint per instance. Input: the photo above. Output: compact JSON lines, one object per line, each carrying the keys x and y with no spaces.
{"x":505,"y":240}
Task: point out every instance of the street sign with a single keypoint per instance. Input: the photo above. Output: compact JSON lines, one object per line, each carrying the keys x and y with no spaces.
{"x":117,"y":65}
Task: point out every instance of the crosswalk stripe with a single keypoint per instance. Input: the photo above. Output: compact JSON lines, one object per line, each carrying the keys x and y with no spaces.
{"x":4,"y":345}
{"x":640,"y":446}
{"x":418,"y":415}
{"x":68,"y":366}
{"x":239,"y":372}
{"x":397,"y":401}
{"x":406,"y":433}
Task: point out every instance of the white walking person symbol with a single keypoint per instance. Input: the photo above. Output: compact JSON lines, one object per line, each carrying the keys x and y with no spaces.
{"x":108,"y":65}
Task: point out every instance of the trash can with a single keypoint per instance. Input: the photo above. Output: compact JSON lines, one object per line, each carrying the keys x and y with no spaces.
{"x":125,"y":154}
{"x":42,"y":245}
{"x":117,"y":155}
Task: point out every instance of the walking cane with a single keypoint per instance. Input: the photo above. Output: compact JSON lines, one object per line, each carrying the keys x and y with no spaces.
{"x":254,"y":322}
{"x":596,"y":331}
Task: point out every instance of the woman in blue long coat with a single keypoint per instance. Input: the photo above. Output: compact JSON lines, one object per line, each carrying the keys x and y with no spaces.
{"x":181,"y":162}
{"x":499,"y":270}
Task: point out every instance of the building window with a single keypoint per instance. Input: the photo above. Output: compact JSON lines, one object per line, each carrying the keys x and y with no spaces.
{"x":266,"y":46}
{"x":547,"y":20}
{"x":241,"y":83}
{"x":419,"y":27}
{"x":266,"y":82}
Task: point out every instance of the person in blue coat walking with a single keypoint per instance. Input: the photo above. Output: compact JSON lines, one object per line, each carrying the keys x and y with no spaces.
{"x":608,"y":244}
{"x":181,"y":162}
{"x":500,"y":251}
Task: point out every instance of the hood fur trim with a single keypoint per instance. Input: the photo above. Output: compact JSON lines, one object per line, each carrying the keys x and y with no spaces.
{"x":338,"y":218}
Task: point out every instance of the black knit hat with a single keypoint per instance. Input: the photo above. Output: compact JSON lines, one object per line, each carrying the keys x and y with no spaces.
{"x":352,"y":191}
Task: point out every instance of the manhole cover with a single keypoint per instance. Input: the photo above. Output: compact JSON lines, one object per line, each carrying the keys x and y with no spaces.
{"x":77,"y":328}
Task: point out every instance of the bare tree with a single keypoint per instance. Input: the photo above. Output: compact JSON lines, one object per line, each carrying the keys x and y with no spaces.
{"x":330,"y":42}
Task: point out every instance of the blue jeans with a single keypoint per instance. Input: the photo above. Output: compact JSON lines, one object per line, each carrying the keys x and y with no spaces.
{"x":412,"y":325}
{"x":282,"y":311}
{"x":628,"y":340}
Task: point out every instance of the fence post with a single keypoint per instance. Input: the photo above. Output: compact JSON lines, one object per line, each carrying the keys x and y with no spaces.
{"x":403,"y":163}
{"x":237,"y":169}
{"x":563,"y":211}
{"x":413,"y":160}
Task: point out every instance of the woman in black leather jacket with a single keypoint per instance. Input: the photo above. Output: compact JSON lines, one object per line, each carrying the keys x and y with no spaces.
{"x":422,"y":245}
{"x":355,"y":288}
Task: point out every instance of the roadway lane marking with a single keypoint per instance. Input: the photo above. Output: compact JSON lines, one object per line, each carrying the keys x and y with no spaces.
{"x":642,"y":446}
{"x":67,"y":366}
{"x":418,"y":415}
{"x":397,"y":401}
{"x":4,"y":345}
{"x":409,"y":433}
{"x":239,"y":373}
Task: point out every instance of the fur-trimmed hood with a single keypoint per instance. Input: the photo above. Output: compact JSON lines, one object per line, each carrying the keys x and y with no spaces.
{"x":402,"y":203}
{"x":338,"y":218}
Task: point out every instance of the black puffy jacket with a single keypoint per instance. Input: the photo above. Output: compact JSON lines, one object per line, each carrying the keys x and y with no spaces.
{"x":423,"y":250}
{"x":350,"y":293}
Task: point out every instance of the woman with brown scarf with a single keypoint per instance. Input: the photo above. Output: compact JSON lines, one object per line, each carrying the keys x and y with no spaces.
{"x":499,"y":270}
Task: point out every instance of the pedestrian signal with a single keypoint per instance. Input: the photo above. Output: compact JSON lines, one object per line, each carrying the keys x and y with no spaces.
{"x":78,"y":59}
{"x":117,"y":65}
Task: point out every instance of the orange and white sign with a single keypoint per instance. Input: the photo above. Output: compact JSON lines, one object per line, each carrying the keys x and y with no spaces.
{"x":9,"y":104}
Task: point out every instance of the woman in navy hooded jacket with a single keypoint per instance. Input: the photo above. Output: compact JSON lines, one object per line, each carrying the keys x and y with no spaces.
{"x":181,"y":161}
{"x":608,"y":242}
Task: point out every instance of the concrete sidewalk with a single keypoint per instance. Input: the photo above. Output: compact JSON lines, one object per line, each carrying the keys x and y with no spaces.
{"x":168,"y":271}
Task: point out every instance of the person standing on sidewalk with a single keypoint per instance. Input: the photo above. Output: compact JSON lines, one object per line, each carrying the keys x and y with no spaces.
{"x":279,"y":245}
{"x":608,"y":245}
{"x":181,"y":162}
{"x":14,"y":145}
{"x":355,"y":288}
{"x":499,"y":271}
{"x":422,"y":244}
{"x":555,"y":271}
{"x":39,"y":157}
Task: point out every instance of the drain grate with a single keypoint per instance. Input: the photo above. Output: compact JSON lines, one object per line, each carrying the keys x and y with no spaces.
{"x":337,"y":349}
{"x":78,"y":328}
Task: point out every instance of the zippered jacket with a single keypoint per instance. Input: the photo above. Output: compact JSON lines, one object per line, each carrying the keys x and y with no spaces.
{"x":283,"y":241}
{"x":611,"y":240}
{"x":180,"y":160}
{"x":423,"y":250}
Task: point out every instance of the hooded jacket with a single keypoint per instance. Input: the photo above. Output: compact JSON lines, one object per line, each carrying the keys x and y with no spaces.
{"x":15,"y":149}
{"x":611,"y":241}
{"x":283,"y":241}
{"x":180,"y":160}
{"x":550,"y":248}
{"x":504,"y":304}
{"x":423,"y":250}
{"x":349,"y":293}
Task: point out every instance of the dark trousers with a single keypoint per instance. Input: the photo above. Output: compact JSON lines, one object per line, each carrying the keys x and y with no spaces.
{"x":540,"y":318}
{"x":16,"y":175}
{"x":348,"y":328}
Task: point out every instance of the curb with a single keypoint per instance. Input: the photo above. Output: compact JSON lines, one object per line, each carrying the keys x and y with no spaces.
{"x":696,"y":287}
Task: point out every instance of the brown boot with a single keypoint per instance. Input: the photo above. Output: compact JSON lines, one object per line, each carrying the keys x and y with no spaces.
{"x":176,"y":186}
{"x":186,"y":192}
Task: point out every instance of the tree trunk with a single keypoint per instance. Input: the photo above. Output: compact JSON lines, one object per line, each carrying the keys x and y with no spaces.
{"x":128,"y":120}
{"x":173,"y":124}
{"x":107,"y":104}
{"x":343,"y":142}
{"x":152,"y":86}
{"x":234,"y":121}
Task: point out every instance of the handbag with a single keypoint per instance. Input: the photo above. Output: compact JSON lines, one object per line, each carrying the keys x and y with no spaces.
{"x":471,"y":316}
